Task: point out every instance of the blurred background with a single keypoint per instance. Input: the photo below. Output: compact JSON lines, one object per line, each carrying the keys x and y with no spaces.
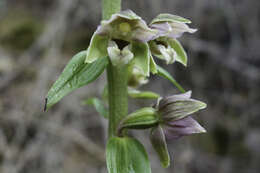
{"x":38,"y":38}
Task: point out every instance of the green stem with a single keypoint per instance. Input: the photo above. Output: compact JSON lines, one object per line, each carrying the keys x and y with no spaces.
{"x":118,"y":98}
{"x":117,"y":79}
{"x":110,"y":7}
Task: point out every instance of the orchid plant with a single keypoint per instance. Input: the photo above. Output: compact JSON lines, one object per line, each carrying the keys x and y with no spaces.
{"x":126,"y":46}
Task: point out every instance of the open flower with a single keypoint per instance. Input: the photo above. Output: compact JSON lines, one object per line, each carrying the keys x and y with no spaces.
{"x":175,"y":121}
{"x":126,"y":26}
{"x":123,"y":38}
{"x":118,"y":37}
{"x":165,"y":46}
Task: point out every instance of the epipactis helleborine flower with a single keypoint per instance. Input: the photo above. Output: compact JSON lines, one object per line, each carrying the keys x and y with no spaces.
{"x":175,"y":122}
{"x":126,"y":26}
{"x":123,"y":38}
{"x":165,"y":46}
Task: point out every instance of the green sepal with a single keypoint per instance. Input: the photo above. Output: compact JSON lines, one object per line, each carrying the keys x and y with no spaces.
{"x":163,"y":73}
{"x":75,"y":75}
{"x":99,"y":106}
{"x":180,"y":109}
{"x":159,"y":144}
{"x":141,"y":119}
{"x":181,"y":54}
{"x":142,"y":94}
{"x":126,"y":155}
{"x":165,"y":17}
{"x":141,"y":57}
{"x":97,"y":48}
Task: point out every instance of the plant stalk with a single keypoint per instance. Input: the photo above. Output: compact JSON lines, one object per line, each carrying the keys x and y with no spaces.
{"x":117,"y":79}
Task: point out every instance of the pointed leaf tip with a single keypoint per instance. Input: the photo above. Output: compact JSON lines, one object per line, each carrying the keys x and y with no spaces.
{"x":75,"y":75}
{"x":45,"y":105}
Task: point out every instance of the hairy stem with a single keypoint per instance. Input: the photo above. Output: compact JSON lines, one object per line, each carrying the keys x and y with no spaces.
{"x":118,"y":100}
{"x":117,"y":79}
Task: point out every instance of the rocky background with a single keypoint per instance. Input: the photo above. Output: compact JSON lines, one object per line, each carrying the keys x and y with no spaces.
{"x":37,"y":39}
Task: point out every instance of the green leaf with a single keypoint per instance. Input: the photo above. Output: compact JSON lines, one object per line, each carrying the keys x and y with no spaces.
{"x":99,"y":106}
{"x":163,"y":73}
{"x":97,"y":48}
{"x":142,"y":94}
{"x":140,"y":119}
{"x":181,"y":54}
{"x":126,"y":155}
{"x":141,"y":57}
{"x":75,"y":75}
{"x":158,"y":141}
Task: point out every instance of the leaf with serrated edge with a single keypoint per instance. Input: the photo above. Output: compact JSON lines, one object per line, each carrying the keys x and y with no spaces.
{"x":75,"y":75}
{"x":126,"y":155}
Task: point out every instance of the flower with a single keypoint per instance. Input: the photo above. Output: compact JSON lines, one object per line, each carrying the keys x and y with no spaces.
{"x":174,"y":122}
{"x":124,"y":39}
{"x":127,"y":26}
{"x":165,"y":46}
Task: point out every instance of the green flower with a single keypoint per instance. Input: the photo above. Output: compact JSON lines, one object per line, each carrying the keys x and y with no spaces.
{"x":126,"y":26}
{"x":165,"y":45}
{"x":123,"y":38}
